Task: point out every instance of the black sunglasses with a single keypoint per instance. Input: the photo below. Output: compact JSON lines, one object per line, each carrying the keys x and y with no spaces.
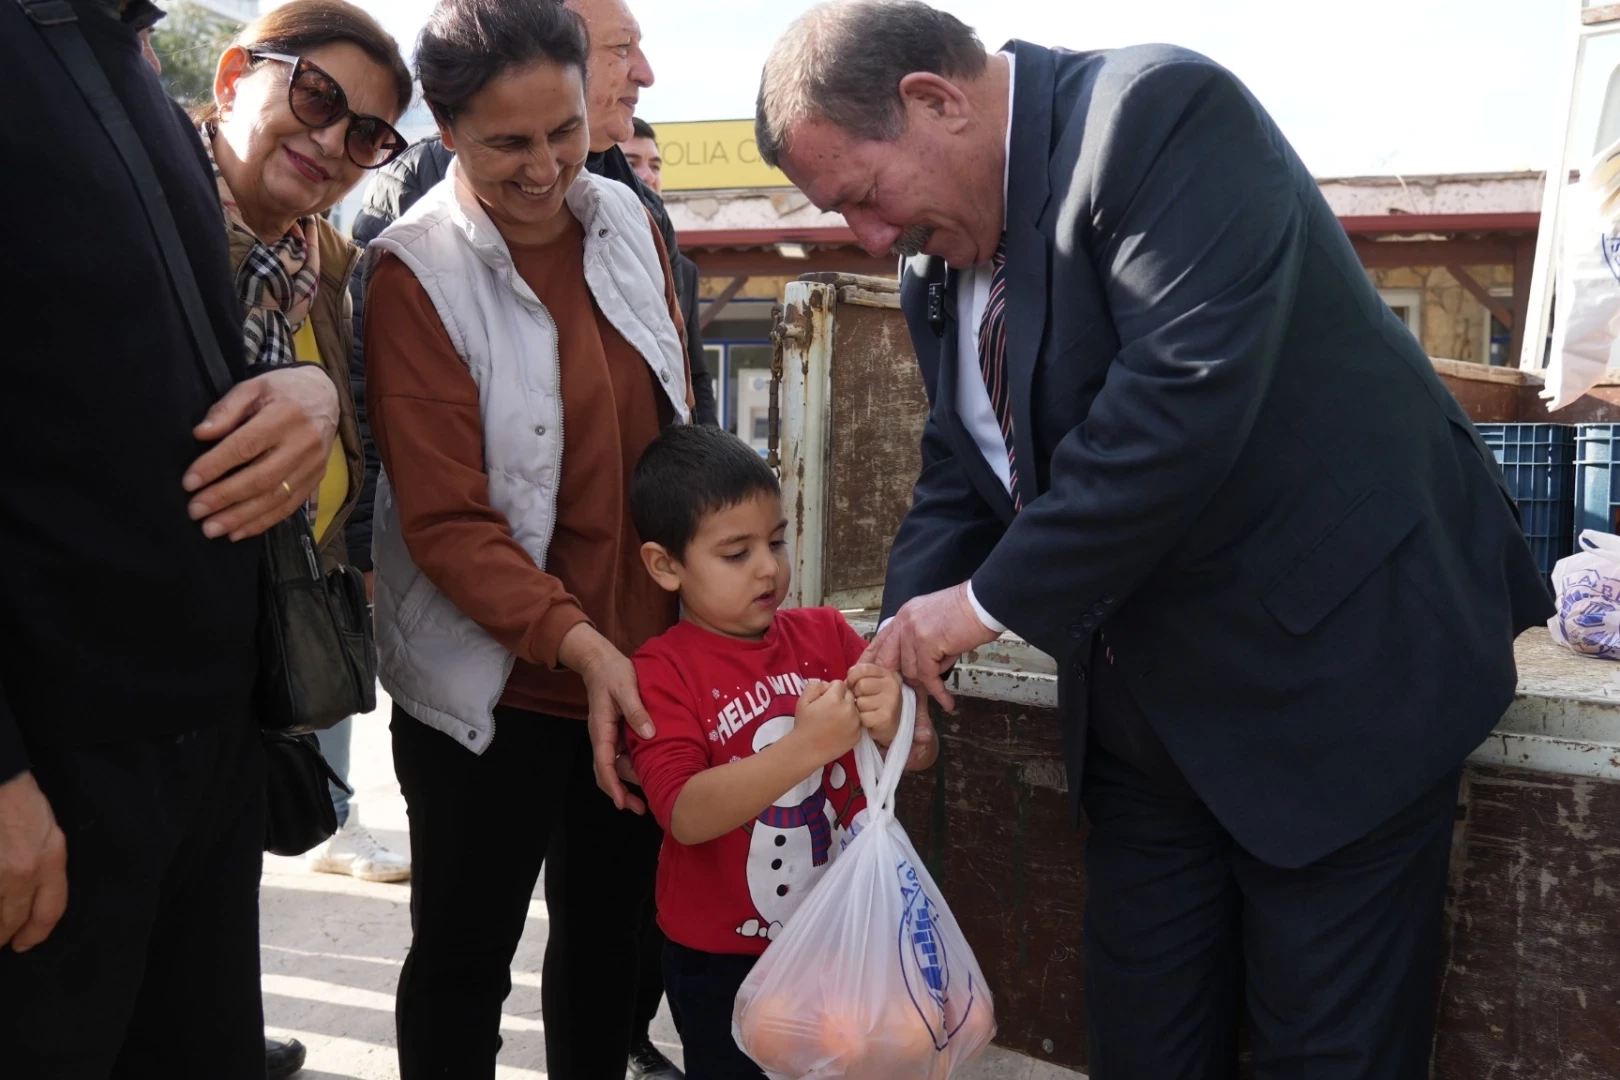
{"x":317,"y":101}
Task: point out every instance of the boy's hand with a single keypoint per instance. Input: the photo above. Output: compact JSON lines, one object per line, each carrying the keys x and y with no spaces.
{"x":877,"y":697}
{"x":924,"y":742}
{"x":827,"y":721}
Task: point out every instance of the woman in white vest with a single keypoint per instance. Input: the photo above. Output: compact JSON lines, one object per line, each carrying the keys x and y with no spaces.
{"x":523,"y":346}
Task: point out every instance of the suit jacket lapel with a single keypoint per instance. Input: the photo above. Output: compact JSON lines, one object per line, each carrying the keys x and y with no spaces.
{"x":1028,"y":192}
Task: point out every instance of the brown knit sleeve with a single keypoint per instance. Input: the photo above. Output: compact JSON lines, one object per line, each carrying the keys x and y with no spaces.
{"x":674,"y":306}
{"x":425,"y":419}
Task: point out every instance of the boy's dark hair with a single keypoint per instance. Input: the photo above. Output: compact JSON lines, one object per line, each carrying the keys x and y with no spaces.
{"x":643,"y":129}
{"x":467,"y":44}
{"x":687,"y":473}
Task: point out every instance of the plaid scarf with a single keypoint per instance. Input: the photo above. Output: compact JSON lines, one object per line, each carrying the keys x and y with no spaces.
{"x":276,"y":282}
{"x":810,"y":814}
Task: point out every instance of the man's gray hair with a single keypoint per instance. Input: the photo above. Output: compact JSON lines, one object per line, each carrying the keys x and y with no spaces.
{"x":843,"y":61}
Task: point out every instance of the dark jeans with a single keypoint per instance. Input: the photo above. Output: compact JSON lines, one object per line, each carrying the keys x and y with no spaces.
{"x":702,"y":990}
{"x":649,"y":968}
{"x":154,"y":969}
{"x":1337,"y":961}
{"x":481,"y":828}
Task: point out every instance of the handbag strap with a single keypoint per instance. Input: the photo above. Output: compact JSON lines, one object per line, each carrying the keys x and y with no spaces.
{"x":57,"y":23}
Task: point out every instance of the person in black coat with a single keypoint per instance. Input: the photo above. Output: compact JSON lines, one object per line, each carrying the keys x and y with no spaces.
{"x":1178,"y":443}
{"x":132,"y":791}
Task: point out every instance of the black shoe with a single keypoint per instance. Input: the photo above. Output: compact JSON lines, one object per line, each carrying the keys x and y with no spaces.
{"x":646,"y":1063}
{"x":282,"y":1059}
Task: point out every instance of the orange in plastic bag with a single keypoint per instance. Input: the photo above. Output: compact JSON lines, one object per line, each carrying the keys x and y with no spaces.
{"x":871,"y":978}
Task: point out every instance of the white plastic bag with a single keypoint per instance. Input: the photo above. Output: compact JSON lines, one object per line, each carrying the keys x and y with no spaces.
{"x":871,"y":978}
{"x":1587,"y":325}
{"x":1587,"y":585}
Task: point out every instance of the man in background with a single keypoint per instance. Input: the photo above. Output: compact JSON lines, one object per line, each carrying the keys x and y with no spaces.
{"x":641,"y":151}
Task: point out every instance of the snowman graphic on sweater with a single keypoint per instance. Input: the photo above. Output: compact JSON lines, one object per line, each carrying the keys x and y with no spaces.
{"x":794,"y":841}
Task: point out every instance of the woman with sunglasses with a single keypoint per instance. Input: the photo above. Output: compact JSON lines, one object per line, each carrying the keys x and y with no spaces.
{"x":304,"y":103}
{"x":305,"y":100}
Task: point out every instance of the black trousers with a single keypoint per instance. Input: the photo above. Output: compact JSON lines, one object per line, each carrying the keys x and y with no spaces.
{"x":154,"y":969}
{"x":481,"y":829}
{"x":649,"y":969}
{"x":1337,"y":962}
{"x":702,"y":992}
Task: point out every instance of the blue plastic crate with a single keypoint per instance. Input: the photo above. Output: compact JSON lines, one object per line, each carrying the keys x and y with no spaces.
{"x":1597,"y":486}
{"x":1539,"y":463}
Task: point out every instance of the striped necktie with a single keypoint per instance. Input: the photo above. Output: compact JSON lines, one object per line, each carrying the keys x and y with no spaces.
{"x":993,"y":362}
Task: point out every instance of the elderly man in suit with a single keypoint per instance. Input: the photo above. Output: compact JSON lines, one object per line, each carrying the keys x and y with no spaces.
{"x":1177,"y":442}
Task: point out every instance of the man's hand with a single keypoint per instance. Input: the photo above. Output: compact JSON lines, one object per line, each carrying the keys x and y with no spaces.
{"x":927,"y":637}
{"x":612,"y":693}
{"x":33,"y":865}
{"x":826,"y":721}
{"x":274,"y":436}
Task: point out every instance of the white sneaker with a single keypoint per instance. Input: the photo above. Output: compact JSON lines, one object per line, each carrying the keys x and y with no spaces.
{"x":354,"y":851}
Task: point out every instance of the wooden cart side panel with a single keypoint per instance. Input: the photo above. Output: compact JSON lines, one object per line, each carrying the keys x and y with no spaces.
{"x":878,"y":407}
{"x":1531,"y":983}
{"x":991,"y":820}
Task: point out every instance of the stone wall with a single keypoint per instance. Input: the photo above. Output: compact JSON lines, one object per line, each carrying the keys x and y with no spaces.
{"x":1454,"y":326}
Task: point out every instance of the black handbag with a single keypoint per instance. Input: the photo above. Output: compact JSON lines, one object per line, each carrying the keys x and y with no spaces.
{"x":317,"y":658}
{"x":299,"y":807}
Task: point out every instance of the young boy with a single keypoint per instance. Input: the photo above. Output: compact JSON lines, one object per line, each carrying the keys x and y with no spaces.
{"x":751,"y":773}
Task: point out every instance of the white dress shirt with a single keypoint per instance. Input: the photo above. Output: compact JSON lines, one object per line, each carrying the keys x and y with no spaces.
{"x":972,"y":397}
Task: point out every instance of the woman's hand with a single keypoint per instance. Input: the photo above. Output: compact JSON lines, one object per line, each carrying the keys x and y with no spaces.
{"x":274,"y":436}
{"x":612,"y":693}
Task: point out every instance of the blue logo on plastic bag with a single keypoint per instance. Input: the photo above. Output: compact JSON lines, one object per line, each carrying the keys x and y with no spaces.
{"x":924,"y":959}
{"x":1610,"y":244}
{"x":1587,"y":601}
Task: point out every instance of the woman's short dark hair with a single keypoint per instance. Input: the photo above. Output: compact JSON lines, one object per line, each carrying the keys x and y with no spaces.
{"x":302,"y":26}
{"x":466,"y":44}
{"x":689,"y":472}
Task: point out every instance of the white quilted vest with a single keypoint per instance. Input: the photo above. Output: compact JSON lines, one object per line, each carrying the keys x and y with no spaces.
{"x":438,"y":664}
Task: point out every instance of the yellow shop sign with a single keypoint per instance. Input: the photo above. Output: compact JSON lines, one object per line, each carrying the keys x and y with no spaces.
{"x":714,"y":154}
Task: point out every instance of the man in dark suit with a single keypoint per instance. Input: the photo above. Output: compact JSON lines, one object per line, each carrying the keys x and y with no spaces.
{"x":1177,"y":442}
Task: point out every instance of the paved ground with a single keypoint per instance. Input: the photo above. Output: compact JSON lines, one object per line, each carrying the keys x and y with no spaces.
{"x":332,"y":948}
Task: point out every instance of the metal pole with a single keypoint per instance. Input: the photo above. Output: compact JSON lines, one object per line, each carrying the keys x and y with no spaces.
{"x":807,"y":340}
